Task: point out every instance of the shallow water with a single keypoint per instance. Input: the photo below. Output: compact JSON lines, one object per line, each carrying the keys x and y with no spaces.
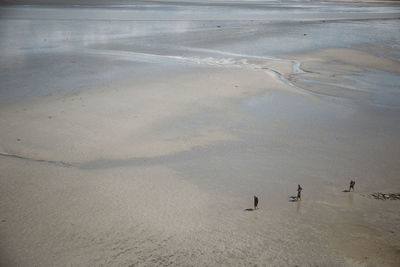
{"x":61,"y":48}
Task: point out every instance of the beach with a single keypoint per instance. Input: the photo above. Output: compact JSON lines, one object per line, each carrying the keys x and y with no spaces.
{"x":137,"y":133}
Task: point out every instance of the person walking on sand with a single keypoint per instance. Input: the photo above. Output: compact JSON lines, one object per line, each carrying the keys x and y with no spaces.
{"x":255,"y":202}
{"x":299,"y":188}
{"x":352,"y":183}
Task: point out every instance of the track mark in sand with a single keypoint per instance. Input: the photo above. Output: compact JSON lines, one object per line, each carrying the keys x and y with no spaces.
{"x":52,"y":162}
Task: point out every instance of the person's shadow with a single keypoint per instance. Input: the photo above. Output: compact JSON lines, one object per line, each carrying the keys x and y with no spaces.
{"x":292,"y":199}
{"x":346,"y":191}
{"x":249,"y":209}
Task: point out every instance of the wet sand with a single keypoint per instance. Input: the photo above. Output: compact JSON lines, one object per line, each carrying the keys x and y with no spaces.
{"x":142,"y":140}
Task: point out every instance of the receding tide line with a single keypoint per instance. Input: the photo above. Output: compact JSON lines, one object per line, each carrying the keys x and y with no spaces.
{"x":57,"y":163}
{"x":230,"y":62}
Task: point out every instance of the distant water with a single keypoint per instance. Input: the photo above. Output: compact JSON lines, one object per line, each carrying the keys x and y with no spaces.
{"x":49,"y":47}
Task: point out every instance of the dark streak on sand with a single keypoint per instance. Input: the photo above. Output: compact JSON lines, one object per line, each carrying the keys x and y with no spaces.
{"x":103,"y":163}
{"x":58,"y":163}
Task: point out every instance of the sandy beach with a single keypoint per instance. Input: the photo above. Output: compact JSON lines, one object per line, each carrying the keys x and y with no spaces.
{"x":137,"y":133}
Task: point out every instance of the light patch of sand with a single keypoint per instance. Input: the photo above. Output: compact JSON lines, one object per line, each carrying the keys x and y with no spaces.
{"x":350,"y":57}
{"x":326,"y":71}
{"x":132,"y":119}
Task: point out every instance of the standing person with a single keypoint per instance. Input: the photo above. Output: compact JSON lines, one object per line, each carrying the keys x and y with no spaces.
{"x":255,"y":202}
{"x":352,"y":183}
{"x":299,"y":188}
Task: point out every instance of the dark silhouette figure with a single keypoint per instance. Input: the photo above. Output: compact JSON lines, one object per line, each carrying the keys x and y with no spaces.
{"x":299,"y":188}
{"x":352,"y":183}
{"x":255,"y":202}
